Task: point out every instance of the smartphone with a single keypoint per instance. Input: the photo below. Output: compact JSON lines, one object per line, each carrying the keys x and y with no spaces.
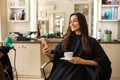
{"x":44,"y":43}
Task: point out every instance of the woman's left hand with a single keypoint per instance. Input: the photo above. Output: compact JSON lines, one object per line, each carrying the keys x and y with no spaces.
{"x":77,"y":60}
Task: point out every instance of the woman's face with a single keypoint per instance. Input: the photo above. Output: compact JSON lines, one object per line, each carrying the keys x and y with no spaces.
{"x":74,"y":24}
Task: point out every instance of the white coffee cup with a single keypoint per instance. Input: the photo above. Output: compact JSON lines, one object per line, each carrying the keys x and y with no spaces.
{"x":68,"y":55}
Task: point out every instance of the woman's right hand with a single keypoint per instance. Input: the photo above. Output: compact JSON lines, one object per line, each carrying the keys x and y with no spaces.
{"x":45,"y":49}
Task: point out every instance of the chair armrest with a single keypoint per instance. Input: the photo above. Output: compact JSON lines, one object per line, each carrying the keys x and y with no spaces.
{"x":42,"y":68}
{"x":45,"y":64}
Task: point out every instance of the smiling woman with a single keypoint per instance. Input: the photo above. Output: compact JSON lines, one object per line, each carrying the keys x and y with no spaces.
{"x":89,"y":61}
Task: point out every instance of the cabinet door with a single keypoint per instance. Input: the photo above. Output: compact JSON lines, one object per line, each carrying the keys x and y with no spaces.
{"x":112,"y":50}
{"x":27,"y":59}
{"x":16,"y":58}
{"x":31,"y":60}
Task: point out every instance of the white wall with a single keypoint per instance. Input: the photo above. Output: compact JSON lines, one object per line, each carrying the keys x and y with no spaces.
{"x":61,"y":6}
{"x":65,"y":7}
{"x":24,"y":27}
{"x":3,"y":17}
{"x":103,"y":25}
{"x":6,"y":26}
{"x":0,"y":25}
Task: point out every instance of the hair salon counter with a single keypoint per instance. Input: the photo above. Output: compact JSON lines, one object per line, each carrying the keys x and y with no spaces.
{"x":58,"y":40}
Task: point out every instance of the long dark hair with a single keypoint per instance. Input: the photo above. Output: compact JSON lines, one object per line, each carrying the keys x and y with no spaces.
{"x":84,"y":32}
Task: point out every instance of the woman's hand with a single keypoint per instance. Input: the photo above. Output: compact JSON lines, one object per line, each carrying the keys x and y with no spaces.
{"x":77,"y":60}
{"x":47,"y":52}
{"x":45,"y":49}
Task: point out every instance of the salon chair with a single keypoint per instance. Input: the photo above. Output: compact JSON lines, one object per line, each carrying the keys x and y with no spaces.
{"x":6,"y":68}
{"x":43,"y":71}
{"x":5,"y":64}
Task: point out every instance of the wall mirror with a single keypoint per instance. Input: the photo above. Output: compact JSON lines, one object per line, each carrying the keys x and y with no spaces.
{"x":57,"y":14}
{"x":56,"y":22}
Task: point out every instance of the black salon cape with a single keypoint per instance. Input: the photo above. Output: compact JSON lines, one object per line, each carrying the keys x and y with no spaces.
{"x":6,"y":64}
{"x":64,"y":70}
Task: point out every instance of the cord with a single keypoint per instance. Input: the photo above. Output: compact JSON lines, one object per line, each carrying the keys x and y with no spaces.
{"x":15,"y":64}
{"x":5,"y":70}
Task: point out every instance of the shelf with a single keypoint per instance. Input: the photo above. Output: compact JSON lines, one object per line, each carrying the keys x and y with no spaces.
{"x":18,"y":10}
{"x":109,"y":20}
{"x":16,"y":7}
{"x":110,"y":12}
{"x":18,"y":20}
{"x":110,"y":5}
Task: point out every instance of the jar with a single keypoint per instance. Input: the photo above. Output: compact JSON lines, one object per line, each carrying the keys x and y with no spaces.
{"x":107,"y":37}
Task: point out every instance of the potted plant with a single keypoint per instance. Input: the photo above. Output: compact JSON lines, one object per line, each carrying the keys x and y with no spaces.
{"x":107,"y":35}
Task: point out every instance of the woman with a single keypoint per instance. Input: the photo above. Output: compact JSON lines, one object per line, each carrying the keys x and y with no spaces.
{"x":89,"y":61}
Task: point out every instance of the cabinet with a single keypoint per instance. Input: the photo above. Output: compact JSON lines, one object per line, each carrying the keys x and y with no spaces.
{"x":84,"y":7}
{"x":18,"y":10}
{"x":112,"y":50}
{"x":108,"y":17}
{"x":27,"y":60}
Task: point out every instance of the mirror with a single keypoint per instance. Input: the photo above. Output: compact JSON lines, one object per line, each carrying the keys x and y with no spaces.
{"x":56,"y":22}
{"x":43,"y":26}
{"x":56,"y":14}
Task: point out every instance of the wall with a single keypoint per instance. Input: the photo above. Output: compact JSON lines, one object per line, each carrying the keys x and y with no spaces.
{"x":18,"y":26}
{"x":3,"y":17}
{"x":65,"y":7}
{"x":31,"y":25}
{"x":0,"y":25}
{"x":24,"y":27}
{"x":6,"y":26}
{"x":101,"y":24}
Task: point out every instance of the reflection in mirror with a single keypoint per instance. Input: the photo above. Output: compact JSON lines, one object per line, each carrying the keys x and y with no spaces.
{"x":57,"y":14}
{"x":43,"y":27}
{"x":56,"y":22}
{"x":83,"y":8}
